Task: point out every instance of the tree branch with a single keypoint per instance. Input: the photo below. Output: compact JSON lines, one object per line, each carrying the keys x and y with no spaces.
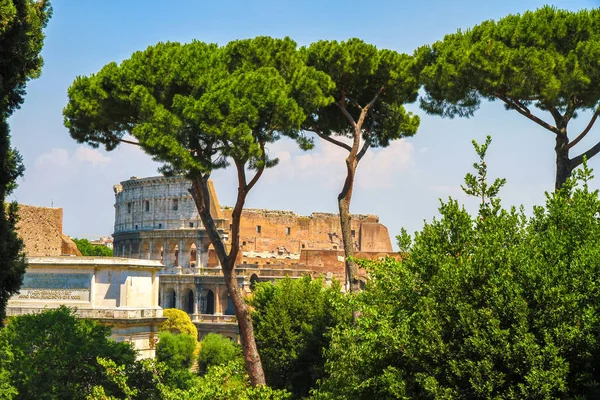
{"x":364,"y":149}
{"x":124,"y":140}
{"x":525,"y":111}
{"x":366,"y":109}
{"x":347,"y":115}
{"x":558,"y":119}
{"x":330,"y":139}
{"x":586,"y":130}
{"x":575,"y":162}
{"x":260,"y":169}
{"x":570,"y":109}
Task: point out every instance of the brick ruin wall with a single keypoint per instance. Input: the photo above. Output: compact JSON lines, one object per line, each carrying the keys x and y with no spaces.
{"x":291,"y":233}
{"x":41,"y":230}
{"x":287,"y":240}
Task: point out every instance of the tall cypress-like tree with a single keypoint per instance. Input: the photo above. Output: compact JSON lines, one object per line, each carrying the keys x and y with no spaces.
{"x":21,"y":40}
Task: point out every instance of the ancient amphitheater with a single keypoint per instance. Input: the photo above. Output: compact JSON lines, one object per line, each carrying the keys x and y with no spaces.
{"x":156,"y":219}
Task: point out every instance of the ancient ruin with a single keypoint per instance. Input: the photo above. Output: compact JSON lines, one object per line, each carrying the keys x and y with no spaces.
{"x":156,"y":219}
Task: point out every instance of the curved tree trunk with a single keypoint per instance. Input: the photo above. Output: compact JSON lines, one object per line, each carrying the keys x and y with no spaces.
{"x":344,"y":199}
{"x":251,"y":355}
{"x":201,"y":198}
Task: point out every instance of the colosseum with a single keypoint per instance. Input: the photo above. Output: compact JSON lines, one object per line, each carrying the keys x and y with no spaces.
{"x":156,"y":219}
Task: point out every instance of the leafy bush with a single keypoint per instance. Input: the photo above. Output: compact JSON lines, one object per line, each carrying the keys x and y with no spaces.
{"x":88,"y":249}
{"x":221,"y":382}
{"x":291,"y":321}
{"x":54,"y":355}
{"x":492,"y":306}
{"x":216,"y":350}
{"x":178,"y":321}
{"x":177,"y":351}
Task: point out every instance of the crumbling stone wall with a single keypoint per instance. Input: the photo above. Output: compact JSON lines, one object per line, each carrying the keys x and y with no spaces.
{"x":41,"y":230}
{"x":284,"y":232}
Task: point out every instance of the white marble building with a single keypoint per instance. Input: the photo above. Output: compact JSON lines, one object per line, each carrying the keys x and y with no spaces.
{"x":119,"y":292}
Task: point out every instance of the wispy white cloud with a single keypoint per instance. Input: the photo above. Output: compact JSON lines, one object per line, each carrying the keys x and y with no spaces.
{"x":93,"y":156}
{"x":58,"y":157}
{"x":325,"y":165}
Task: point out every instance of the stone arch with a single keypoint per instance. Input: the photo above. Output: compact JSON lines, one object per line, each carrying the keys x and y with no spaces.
{"x":230,"y":310}
{"x":253,"y":281}
{"x":145,"y":251}
{"x":193,"y":254}
{"x":210,"y":302}
{"x":170,"y":297}
{"x":188,"y":302}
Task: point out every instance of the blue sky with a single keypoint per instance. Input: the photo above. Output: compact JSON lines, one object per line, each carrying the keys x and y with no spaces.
{"x":401,"y":184}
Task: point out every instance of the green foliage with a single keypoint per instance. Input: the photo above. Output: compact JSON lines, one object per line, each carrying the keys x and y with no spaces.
{"x":547,"y":59}
{"x":360,"y":72}
{"x":21,"y":39}
{"x":542,"y":57}
{"x":477,"y":185}
{"x":216,"y":349}
{"x":54,"y":355}
{"x":194,"y":106}
{"x":227,"y":381}
{"x":88,"y":249}
{"x":291,"y":322}
{"x":177,"y":351}
{"x":491,"y":306}
{"x":224,"y":382}
{"x":177,"y":322}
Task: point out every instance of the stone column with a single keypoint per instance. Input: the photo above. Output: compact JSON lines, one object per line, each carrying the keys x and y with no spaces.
{"x":178,"y":268}
{"x":197,"y":300}
{"x":198,"y":251}
{"x":140,"y":248}
{"x":150,"y":250}
{"x":218,"y":310}
{"x":181,"y":254}
{"x":196,"y":304}
{"x":130,"y":251}
{"x":165,"y":255}
{"x":178,"y":296}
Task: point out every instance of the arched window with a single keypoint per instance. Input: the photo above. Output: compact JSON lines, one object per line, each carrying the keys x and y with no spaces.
{"x":210,"y":302}
{"x":229,"y":310}
{"x":189,"y":302}
{"x":170,"y":299}
{"x":193,"y":254}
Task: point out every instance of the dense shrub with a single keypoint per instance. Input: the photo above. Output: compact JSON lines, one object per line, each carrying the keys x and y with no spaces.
{"x":492,"y":306}
{"x":178,"y":321}
{"x":291,"y":321}
{"x":88,"y":249}
{"x":54,"y":355}
{"x":177,"y":351}
{"x":216,"y":350}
